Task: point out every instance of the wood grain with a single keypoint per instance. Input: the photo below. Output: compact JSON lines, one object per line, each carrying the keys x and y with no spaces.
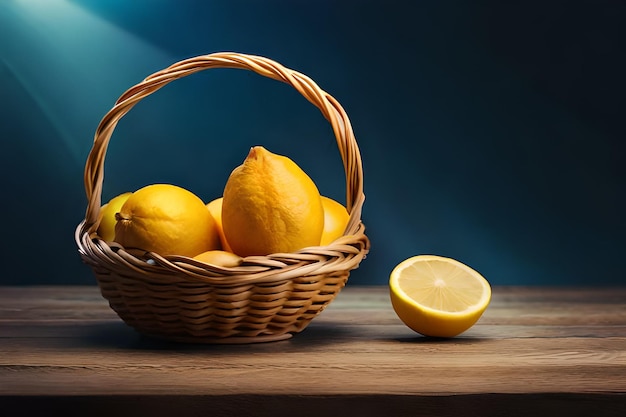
{"x":535,"y":349}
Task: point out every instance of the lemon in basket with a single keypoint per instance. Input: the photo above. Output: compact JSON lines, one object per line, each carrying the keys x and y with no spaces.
{"x":270,"y":205}
{"x":219,"y":258}
{"x":168,"y":220}
{"x":335,"y":220}
{"x":215,"y":207}
{"x":437,"y":296}
{"x":106,"y":229}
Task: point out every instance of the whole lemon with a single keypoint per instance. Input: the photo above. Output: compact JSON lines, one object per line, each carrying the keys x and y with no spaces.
{"x":168,"y":220}
{"x":106,"y":229}
{"x":335,"y":220}
{"x":271,"y":205}
{"x":215,"y":207}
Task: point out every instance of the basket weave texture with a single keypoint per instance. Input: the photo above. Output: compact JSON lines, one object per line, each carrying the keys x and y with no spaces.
{"x":267,"y":298}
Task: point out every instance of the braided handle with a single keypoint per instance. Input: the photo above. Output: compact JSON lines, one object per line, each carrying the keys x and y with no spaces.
{"x":330,"y":108}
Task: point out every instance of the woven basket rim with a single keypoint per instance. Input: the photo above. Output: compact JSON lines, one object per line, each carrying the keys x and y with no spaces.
{"x":344,"y":254}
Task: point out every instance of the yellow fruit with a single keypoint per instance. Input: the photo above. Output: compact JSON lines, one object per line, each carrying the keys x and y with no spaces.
{"x":438,"y":296}
{"x":271,"y":205}
{"x":219,"y":258}
{"x":168,"y":220}
{"x":106,"y":229}
{"x":335,"y":220}
{"x":215,"y":207}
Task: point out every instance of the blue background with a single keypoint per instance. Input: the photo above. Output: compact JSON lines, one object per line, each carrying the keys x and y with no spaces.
{"x":490,"y":132}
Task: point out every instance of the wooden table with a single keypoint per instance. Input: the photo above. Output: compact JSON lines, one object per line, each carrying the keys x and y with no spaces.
{"x":536,"y":351}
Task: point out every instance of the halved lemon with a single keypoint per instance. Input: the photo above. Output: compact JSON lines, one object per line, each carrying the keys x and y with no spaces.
{"x":437,"y":296}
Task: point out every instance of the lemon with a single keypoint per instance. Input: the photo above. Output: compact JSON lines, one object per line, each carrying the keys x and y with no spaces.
{"x":215,"y":207}
{"x":219,"y":258}
{"x":168,"y":220}
{"x":270,"y":205}
{"x":106,"y":229}
{"x":437,"y":296}
{"x":335,"y":220}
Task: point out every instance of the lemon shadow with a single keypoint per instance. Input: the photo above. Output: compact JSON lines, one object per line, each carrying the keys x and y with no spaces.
{"x":418,"y":339}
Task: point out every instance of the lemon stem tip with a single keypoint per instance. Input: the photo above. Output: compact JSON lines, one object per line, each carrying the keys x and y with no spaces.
{"x":119,"y":216}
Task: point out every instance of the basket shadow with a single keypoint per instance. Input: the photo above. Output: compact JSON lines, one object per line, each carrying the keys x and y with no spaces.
{"x":113,"y":334}
{"x":118,"y":335}
{"x":320,"y":334}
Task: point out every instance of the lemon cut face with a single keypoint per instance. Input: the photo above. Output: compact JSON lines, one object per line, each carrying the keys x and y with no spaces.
{"x":437,"y":296}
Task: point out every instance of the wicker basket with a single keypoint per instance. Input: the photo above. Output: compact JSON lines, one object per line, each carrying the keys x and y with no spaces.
{"x":267,"y":298}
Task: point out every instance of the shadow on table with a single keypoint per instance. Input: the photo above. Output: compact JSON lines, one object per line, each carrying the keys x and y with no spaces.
{"x":118,"y":335}
{"x":425,"y":340}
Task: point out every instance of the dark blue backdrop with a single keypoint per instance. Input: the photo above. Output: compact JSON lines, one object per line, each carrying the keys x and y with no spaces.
{"x":491,"y":132}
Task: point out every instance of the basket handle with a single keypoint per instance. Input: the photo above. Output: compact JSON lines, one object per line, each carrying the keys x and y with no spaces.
{"x":330,"y":108}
